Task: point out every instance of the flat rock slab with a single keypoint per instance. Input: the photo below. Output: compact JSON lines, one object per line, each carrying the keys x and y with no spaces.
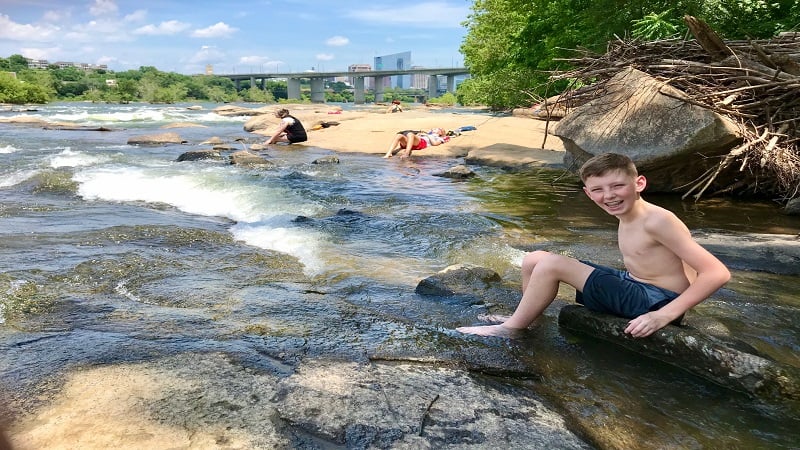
{"x":695,"y":352}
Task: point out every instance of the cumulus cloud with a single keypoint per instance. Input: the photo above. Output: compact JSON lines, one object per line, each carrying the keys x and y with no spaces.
{"x":254,"y":60}
{"x":324,"y":56}
{"x":219,"y":29}
{"x":26,"y":32}
{"x":103,"y":8}
{"x":53,"y":16}
{"x":136,"y":16}
{"x":421,"y":15}
{"x":337,"y":41}
{"x":164,"y":28}
{"x":40,"y":53}
{"x":207,"y":55}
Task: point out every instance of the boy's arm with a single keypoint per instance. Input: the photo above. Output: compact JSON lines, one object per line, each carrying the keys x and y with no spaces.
{"x":670,"y":232}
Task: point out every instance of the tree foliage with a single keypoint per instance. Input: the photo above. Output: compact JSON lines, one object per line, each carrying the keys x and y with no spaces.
{"x":512,"y":45}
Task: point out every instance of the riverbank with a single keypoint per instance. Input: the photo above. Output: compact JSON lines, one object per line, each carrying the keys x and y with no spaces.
{"x":497,"y":139}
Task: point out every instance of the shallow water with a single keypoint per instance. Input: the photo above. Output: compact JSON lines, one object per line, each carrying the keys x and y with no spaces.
{"x":111,"y":253}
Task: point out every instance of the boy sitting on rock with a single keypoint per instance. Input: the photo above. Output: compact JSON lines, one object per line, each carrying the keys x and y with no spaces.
{"x":667,"y":271}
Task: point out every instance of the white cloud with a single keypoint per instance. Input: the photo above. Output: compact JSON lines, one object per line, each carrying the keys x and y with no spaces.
{"x":337,"y":41}
{"x":53,"y":16}
{"x":40,"y":53}
{"x":219,"y":29}
{"x":107,"y":60}
{"x":207,"y":55}
{"x":136,"y":16}
{"x":103,"y":7}
{"x":164,"y":28}
{"x":254,"y":60}
{"x":26,"y":32}
{"x":421,"y":15}
{"x":324,"y":56}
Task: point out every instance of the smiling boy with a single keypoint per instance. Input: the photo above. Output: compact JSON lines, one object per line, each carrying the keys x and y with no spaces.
{"x":667,"y":272}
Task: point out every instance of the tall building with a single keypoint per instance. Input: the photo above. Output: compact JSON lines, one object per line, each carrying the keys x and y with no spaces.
{"x":397,"y":61}
{"x":368,"y":82}
{"x":209,"y":69}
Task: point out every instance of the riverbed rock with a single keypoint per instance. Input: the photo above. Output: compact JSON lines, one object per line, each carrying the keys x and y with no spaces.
{"x":479,"y":285}
{"x":793,"y":207}
{"x":771,"y":253}
{"x":671,"y":140}
{"x":183,"y":125}
{"x":459,"y":172}
{"x":695,"y":352}
{"x":197,"y":155}
{"x":245,"y":158}
{"x":331,"y":159}
{"x":156,"y":139}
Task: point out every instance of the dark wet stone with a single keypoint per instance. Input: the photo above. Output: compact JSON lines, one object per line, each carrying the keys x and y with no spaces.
{"x":458,"y":172}
{"x":695,"y":352}
{"x":326,"y":160}
{"x":197,"y":155}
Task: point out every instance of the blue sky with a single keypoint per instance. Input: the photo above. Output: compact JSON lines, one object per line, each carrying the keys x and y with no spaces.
{"x":234,"y":36}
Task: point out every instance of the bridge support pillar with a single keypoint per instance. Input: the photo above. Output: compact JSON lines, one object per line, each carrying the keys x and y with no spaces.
{"x":358,"y":91}
{"x":252,"y":82}
{"x":433,"y":86}
{"x":236,"y":82}
{"x":379,"y":88}
{"x":317,"y":90}
{"x":451,"y":84}
{"x":293,"y":88}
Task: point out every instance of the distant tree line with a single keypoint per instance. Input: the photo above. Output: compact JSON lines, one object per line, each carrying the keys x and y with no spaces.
{"x":20,"y":84}
{"x":512,"y":46}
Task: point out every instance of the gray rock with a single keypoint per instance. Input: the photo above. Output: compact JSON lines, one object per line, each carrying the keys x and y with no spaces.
{"x":695,"y":352}
{"x":671,"y":141}
{"x":197,"y":155}
{"x":458,"y":279}
{"x":156,"y":139}
{"x":793,"y":207}
{"x":459,"y":172}
{"x":772,"y":253}
{"x":245,"y":158}
{"x":326,"y":160}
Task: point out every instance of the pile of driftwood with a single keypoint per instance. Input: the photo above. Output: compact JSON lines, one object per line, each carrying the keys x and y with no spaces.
{"x":755,"y":83}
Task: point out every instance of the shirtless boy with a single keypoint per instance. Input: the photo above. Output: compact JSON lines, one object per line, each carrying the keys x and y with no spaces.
{"x":667,"y":271}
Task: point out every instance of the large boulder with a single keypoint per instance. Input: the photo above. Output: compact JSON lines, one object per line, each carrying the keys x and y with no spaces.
{"x":672,"y":141}
{"x":247,"y":159}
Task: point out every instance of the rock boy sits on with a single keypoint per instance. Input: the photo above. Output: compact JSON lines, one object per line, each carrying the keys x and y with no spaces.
{"x":290,"y":129}
{"x":667,"y":271}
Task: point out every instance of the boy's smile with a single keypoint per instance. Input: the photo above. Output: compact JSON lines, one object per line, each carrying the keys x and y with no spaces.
{"x":614,"y":191}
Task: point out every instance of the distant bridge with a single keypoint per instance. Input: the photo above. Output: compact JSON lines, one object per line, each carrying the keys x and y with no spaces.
{"x":318,"y":81}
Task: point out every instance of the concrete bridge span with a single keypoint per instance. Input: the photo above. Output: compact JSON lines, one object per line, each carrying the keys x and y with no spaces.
{"x":318,"y":81}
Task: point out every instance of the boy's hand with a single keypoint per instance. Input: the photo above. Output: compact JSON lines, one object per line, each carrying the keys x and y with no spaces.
{"x":646,"y":324}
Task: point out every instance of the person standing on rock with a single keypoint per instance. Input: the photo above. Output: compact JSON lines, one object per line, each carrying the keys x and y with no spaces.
{"x":290,"y":129}
{"x":667,"y":274}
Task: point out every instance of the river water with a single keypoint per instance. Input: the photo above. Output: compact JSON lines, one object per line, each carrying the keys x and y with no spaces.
{"x":111,"y":253}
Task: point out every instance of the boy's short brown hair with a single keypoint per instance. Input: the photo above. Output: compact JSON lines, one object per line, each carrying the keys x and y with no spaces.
{"x":605,"y":162}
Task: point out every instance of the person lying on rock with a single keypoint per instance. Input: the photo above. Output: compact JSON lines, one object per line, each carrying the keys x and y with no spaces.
{"x":406,"y":141}
{"x":290,"y":129}
{"x":668,"y":272}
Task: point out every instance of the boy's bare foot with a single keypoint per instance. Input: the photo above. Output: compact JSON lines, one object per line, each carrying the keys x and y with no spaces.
{"x":489,"y":330}
{"x":388,"y":155}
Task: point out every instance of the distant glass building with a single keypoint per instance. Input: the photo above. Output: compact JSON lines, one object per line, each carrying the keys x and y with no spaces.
{"x":397,"y":61}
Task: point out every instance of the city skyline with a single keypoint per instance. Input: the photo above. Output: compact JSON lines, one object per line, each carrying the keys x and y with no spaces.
{"x":234,"y":37}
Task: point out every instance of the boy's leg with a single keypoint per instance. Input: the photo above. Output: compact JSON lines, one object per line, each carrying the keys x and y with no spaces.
{"x":541,"y":274}
{"x":411,"y":140}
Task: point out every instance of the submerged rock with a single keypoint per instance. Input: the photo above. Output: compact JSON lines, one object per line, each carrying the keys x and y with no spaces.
{"x":695,"y":352}
{"x":458,"y":172}
{"x":245,"y":158}
{"x":156,"y":139}
{"x":197,"y":155}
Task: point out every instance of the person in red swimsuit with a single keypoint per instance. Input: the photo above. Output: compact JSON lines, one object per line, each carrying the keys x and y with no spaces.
{"x":406,"y":141}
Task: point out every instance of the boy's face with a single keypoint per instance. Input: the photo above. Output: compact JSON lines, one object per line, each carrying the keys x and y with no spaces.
{"x":614,"y":191}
